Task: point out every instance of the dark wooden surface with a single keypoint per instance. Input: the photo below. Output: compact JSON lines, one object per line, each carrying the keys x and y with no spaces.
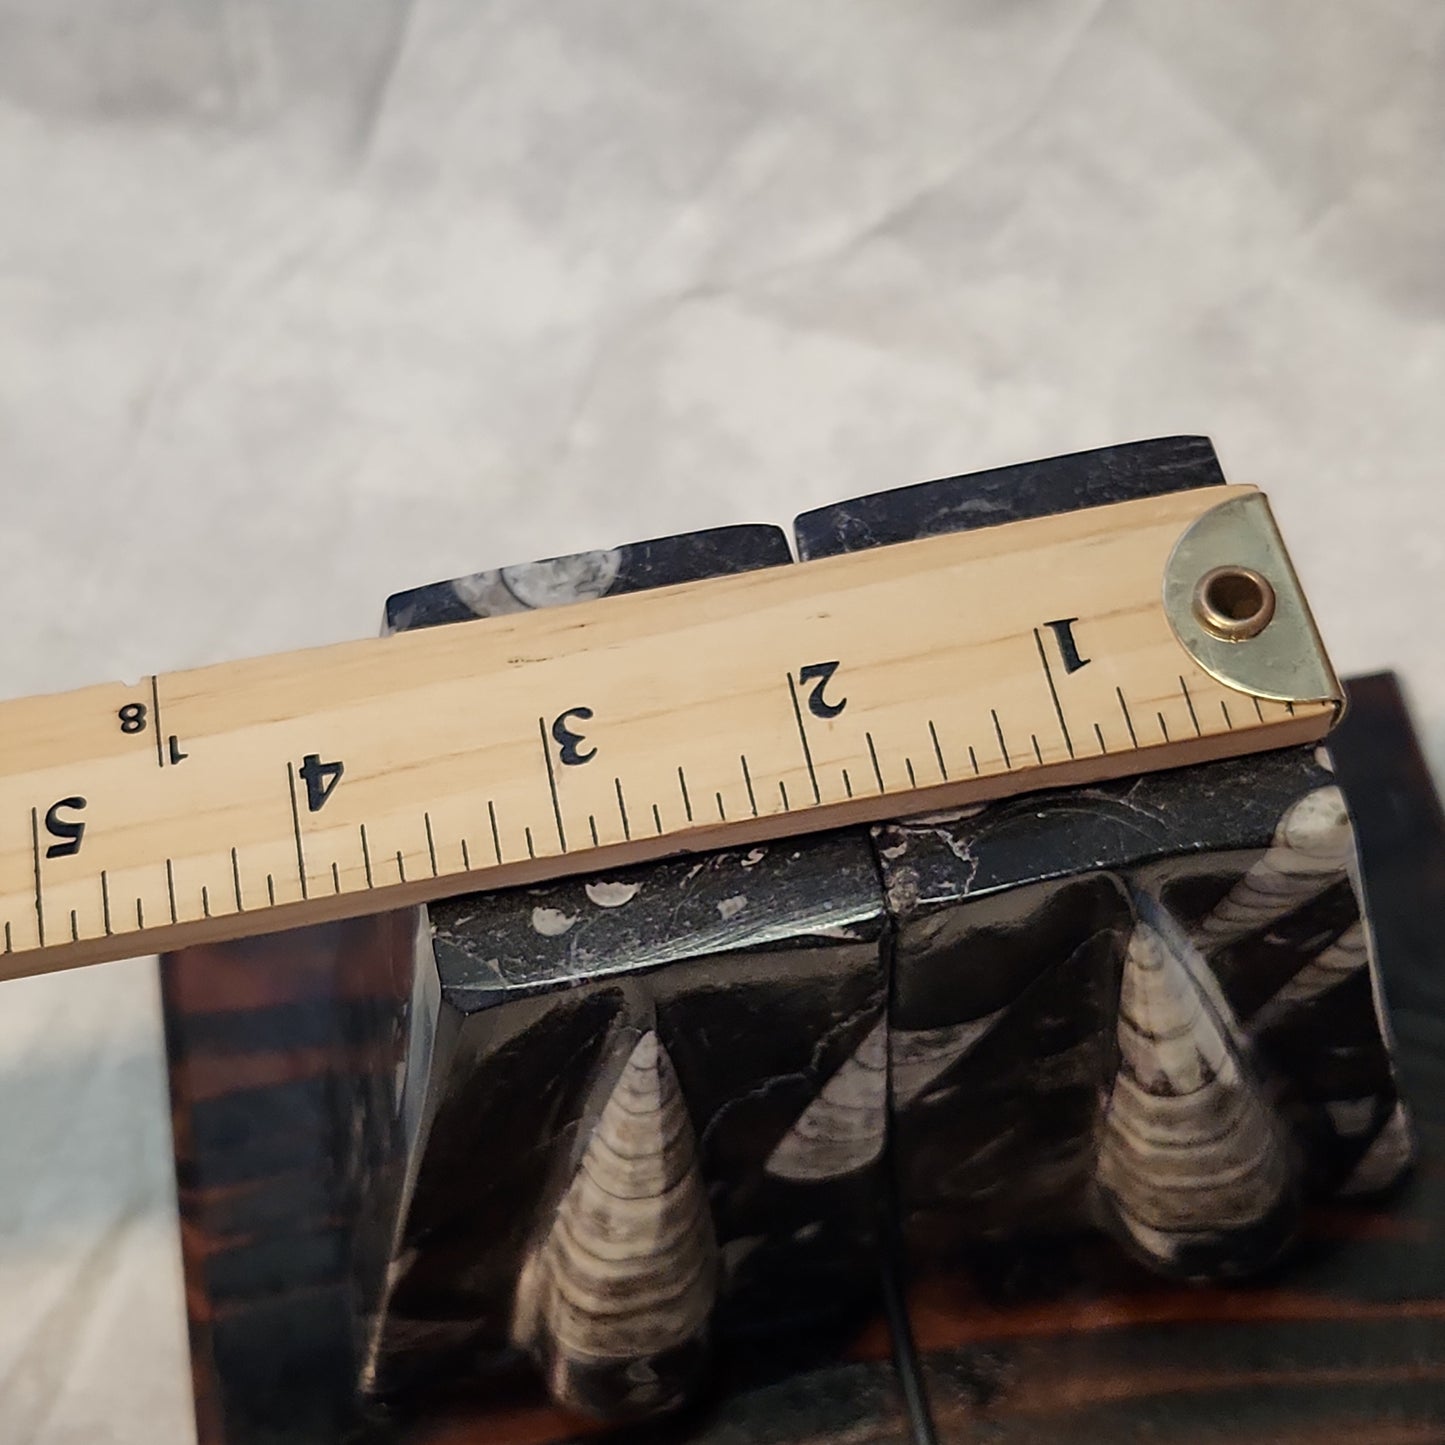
{"x":280,"y":1065}
{"x":279,"y":1068}
{"x":1347,"y":1341}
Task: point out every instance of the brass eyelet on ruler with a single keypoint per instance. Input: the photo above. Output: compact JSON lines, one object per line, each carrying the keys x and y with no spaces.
{"x":1234,"y":603}
{"x":1236,"y":606}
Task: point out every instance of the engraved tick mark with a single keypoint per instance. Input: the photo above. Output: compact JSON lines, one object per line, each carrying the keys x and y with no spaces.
{"x":938,"y":750}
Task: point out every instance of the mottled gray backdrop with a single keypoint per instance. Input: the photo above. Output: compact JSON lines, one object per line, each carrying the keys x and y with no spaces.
{"x":303,"y":301}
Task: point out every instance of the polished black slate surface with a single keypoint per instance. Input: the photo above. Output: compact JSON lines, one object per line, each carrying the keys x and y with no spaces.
{"x":761,"y":973}
{"x":581,"y":576}
{"x":1009,"y":494}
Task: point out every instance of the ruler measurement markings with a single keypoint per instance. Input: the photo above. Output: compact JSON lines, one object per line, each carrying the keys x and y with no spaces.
{"x":1128,"y":721}
{"x":409,"y":771}
{"x":803,"y":738}
{"x":873,"y":755}
{"x":1189,"y":702}
{"x":296,"y":828}
{"x":748,"y":780}
{"x":937,"y":751}
{"x":622,"y":810}
{"x":1053,"y":693}
{"x":156,"y":721}
{"x":1003,"y":746}
{"x":551,"y":788}
{"x":39,"y":891}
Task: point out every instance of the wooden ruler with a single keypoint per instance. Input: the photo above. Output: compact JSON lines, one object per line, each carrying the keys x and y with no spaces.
{"x":258,"y":795}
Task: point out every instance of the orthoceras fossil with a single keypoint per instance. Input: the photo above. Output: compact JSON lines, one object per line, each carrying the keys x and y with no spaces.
{"x":614,"y":1301}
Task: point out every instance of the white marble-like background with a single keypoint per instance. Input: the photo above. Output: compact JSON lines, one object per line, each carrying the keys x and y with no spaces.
{"x":302,"y":301}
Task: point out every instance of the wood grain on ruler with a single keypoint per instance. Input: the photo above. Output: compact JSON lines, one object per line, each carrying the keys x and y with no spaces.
{"x":258,"y":795}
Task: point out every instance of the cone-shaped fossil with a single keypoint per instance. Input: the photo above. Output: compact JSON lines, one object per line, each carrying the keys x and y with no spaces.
{"x":1313,"y":848}
{"x":1390,"y":1154}
{"x":843,"y":1129}
{"x":614,"y":1302}
{"x":1192,"y":1165}
{"x":922,"y":1055}
{"x":1343,"y":959}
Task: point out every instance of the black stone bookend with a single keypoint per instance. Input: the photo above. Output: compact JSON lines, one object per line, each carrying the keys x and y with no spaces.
{"x":585,"y":576}
{"x":1149,"y":1005}
{"x":1062,"y":1338}
{"x":645,"y":1114}
{"x":643,"y":1156}
{"x":688,"y":1053}
{"x":1010,"y":494}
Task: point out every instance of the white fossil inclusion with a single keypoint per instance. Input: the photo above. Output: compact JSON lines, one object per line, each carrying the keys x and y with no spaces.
{"x":614,"y":1301}
{"x":1342,"y":960}
{"x":1313,"y":847}
{"x":922,"y":1055}
{"x":1351,"y":1117}
{"x":1189,"y":1154}
{"x":1390,"y":1153}
{"x":844,"y":1128}
{"x":608,"y":894}
{"x":578,"y":578}
{"x":552,"y":922}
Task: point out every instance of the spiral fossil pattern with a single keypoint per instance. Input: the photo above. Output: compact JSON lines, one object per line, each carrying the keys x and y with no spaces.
{"x":614,"y":1302}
